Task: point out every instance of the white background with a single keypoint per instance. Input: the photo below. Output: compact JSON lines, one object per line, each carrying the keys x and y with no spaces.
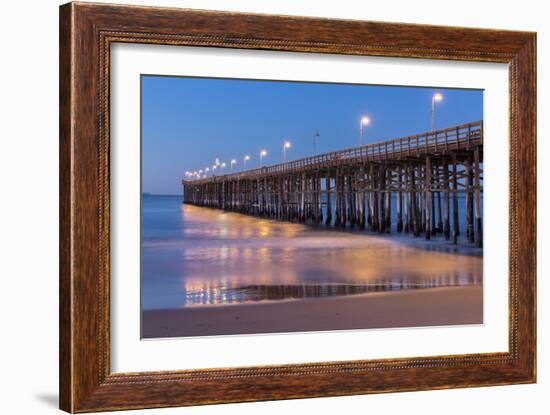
{"x":129,"y":354}
{"x":28,"y":212}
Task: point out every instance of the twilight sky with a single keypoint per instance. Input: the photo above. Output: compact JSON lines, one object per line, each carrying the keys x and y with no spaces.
{"x":187,"y":122}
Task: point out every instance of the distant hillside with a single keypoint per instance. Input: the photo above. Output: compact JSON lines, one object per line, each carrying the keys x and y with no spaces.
{"x":147,"y":194}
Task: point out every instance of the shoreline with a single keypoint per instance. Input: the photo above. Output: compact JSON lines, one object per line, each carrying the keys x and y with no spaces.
{"x":440,"y":306}
{"x":436,"y":242}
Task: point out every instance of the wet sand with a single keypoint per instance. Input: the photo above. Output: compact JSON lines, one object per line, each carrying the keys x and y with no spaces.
{"x":406,"y":308}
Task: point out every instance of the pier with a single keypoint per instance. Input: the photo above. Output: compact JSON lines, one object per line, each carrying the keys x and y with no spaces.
{"x":354,"y":187}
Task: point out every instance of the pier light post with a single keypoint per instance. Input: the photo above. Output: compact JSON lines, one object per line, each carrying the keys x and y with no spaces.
{"x":214,"y":169}
{"x":206,"y":171}
{"x":364,"y":121}
{"x":222,"y":166}
{"x":437,"y":97}
{"x":263,"y":153}
{"x":245,"y":159}
{"x":316,"y":135}
{"x":233,"y":162}
{"x":286,"y":145}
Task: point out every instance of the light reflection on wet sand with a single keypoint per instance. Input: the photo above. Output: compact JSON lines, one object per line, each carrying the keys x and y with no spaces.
{"x":217,"y":257}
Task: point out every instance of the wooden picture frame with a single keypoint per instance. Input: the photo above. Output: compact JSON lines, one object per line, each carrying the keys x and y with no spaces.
{"x":86,"y":33}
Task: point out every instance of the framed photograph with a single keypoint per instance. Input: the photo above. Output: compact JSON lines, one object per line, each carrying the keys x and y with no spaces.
{"x":258,"y":207}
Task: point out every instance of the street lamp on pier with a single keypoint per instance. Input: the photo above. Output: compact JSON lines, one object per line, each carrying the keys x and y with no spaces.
{"x":316,"y":135}
{"x":437,"y":97}
{"x":233,"y":162}
{"x":263,"y":153}
{"x":286,"y":145}
{"x":245,"y":159}
{"x":364,"y":121}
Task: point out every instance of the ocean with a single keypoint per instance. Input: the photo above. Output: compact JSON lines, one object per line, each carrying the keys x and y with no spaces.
{"x":195,"y":257}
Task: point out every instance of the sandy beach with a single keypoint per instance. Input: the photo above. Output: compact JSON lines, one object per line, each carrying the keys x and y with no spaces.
{"x":407,"y":308}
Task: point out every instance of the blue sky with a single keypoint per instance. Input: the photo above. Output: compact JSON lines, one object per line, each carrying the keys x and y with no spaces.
{"x":187,"y":122}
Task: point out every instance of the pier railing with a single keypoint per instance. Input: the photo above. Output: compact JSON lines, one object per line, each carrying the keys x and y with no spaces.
{"x":464,"y":136}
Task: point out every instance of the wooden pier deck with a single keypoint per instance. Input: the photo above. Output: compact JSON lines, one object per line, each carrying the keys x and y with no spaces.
{"x":425,"y":172}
